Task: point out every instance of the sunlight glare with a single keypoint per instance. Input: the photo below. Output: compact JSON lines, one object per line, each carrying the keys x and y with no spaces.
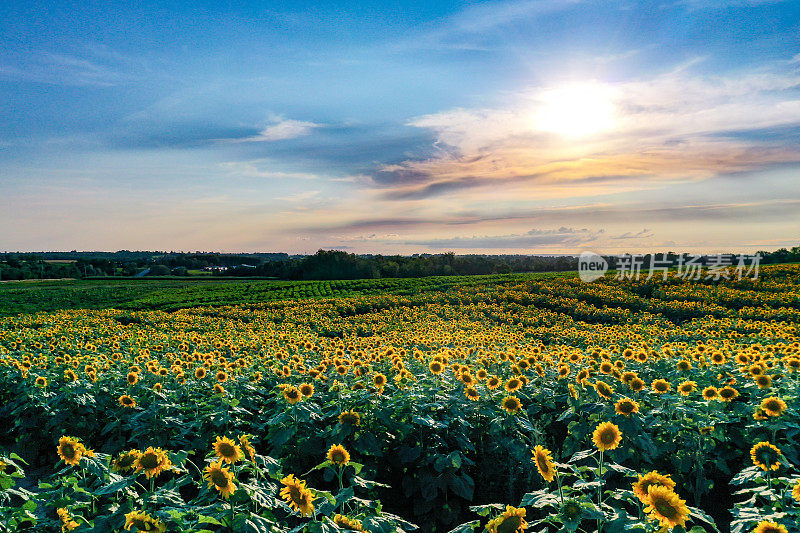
{"x":577,"y":110}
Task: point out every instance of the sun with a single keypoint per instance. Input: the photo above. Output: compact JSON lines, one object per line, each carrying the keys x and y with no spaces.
{"x":577,"y":110}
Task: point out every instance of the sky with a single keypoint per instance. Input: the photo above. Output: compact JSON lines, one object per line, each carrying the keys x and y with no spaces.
{"x":524,"y":126}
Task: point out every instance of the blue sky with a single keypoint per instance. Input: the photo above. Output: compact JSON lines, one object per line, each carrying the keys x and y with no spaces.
{"x":396,"y":127}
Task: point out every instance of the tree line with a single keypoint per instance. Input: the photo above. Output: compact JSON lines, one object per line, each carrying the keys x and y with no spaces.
{"x":325,"y":264}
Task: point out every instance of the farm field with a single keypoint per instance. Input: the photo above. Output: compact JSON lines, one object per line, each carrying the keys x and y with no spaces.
{"x":489,"y":403}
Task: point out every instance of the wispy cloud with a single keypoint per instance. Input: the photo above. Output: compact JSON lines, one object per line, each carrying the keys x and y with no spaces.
{"x":89,"y":69}
{"x":674,"y":126}
{"x":282,"y":129}
{"x":533,"y":238}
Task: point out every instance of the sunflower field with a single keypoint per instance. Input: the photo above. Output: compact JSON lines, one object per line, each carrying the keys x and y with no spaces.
{"x":499,"y":403}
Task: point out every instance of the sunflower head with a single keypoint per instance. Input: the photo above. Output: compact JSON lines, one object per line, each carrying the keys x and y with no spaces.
{"x":143,"y":522}
{"x":152,"y":462}
{"x":219,"y":478}
{"x":307,"y":390}
{"x":666,"y":506}
{"x":70,"y":450}
{"x":727,"y":394}
{"x":773,"y":406}
{"x":67,"y":523}
{"x":571,"y":511}
{"x":126,"y":461}
{"x":244,"y":440}
{"x":338,"y":455}
{"x":544,"y":463}
{"x":766,"y":456}
{"x":295,"y":493}
{"x":651,"y":479}
{"x":626,"y":407}
{"x":127,"y":401}
{"x":604,"y":389}
{"x":606,"y":436}
{"x":349,"y":524}
{"x":511,"y":521}
{"x":765,"y":526}
{"x":227,"y":450}
{"x":661,"y":386}
{"x":710,"y":393}
{"x":511,"y":404}
{"x":292,"y":394}
{"x":350,"y":417}
{"x":687,"y":387}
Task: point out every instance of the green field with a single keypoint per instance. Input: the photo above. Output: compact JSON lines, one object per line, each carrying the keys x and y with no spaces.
{"x":172,"y":294}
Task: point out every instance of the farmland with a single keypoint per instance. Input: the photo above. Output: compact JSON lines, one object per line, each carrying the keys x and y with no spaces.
{"x":499,"y":403}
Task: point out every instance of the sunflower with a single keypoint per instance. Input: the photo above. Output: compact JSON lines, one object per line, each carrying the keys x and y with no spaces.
{"x":292,"y":395}
{"x":606,"y":436}
{"x":763,"y":381}
{"x":436,"y":367}
{"x":158,"y":387}
{"x":661,"y":386}
{"x":513,"y":385}
{"x":687,"y":387}
{"x":222,"y":376}
{"x":766,"y":526}
{"x":493,"y":382}
{"x":511,"y":404}
{"x":544,"y":463}
{"x":143,"y":522}
{"x":218,"y":388}
{"x":666,"y":506}
{"x":626,"y":407}
{"x":127,"y":401}
{"x":152,"y":462}
{"x":41,"y":382}
{"x":132,"y":378}
{"x":766,"y":456}
{"x":350,"y":417}
{"x":297,"y":495}
{"x":220,"y":478}
{"x":472,"y":393}
{"x":710,"y":393}
{"x":796,"y":491}
{"x":67,"y":523}
{"x":571,"y":511}
{"x":728,"y":394}
{"x":126,"y":461}
{"x":338,"y":455}
{"x":604,"y":389}
{"x":379,"y":380}
{"x":653,"y":478}
{"x":510,"y":521}
{"x":349,"y":524}
{"x":636,"y":384}
{"x":573,"y":391}
{"x":307,"y":390}
{"x":70,"y":450}
{"x":244,"y":440}
{"x":200,"y":373}
{"x":227,"y":450}
{"x":773,"y":406}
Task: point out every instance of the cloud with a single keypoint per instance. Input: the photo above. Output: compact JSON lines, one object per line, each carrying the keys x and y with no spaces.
{"x":767,"y":210}
{"x":675,"y":126}
{"x":282,"y":130}
{"x":534,"y":237}
{"x":69,"y":69}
